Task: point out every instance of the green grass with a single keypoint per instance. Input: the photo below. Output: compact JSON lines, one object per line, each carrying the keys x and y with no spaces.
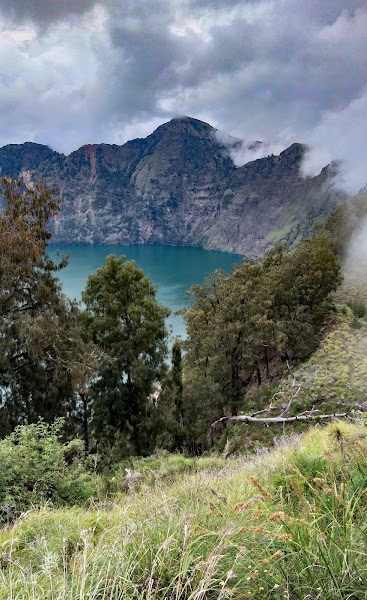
{"x":335,"y":376}
{"x":287,"y":523}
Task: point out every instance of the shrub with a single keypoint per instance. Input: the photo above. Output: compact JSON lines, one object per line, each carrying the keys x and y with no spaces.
{"x":36,"y":467}
{"x":358,"y":308}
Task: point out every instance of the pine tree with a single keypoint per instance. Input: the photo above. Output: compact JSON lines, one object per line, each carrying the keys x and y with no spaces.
{"x":128,"y":325}
{"x":177,"y":385}
{"x":44,"y":354}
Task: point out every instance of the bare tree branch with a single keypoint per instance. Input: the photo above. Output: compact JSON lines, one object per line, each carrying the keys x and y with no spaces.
{"x":293,"y":393}
{"x":304,"y":416}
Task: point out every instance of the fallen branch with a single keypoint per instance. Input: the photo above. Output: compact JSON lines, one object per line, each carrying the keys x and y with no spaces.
{"x":304,"y":416}
{"x":292,"y":396}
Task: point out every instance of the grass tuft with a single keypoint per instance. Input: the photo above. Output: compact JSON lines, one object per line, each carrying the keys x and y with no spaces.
{"x":289,"y":523}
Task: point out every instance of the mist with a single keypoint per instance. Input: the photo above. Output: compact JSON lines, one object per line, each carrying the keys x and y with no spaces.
{"x":354,"y":265}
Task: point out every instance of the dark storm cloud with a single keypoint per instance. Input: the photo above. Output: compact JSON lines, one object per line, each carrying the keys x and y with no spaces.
{"x":280,"y":70}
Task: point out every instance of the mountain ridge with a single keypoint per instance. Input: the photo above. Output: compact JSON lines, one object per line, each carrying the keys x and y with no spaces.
{"x":179,"y":186}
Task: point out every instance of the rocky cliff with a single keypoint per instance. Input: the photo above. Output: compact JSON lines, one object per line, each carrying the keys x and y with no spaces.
{"x":177,"y":186}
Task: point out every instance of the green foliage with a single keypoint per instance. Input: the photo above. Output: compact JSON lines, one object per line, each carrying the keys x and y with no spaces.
{"x":287,"y":524}
{"x":36,"y":467}
{"x":44,"y":353}
{"x":243,"y":328}
{"x":336,"y":374}
{"x":163,"y":466}
{"x":177,"y":393}
{"x":128,"y":325}
{"x":345,"y":228}
{"x":358,"y":308}
{"x":345,"y":221}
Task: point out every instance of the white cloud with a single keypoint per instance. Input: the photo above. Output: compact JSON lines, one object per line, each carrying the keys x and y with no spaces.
{"x":81,"y":71}
{"x":341,"y":135}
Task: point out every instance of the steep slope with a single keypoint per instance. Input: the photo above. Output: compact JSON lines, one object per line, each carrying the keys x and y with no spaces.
{"x":267,"y":200}
{"x":177,"y":186}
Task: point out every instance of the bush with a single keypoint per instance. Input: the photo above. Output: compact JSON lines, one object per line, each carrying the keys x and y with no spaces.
{"x":36,"y":467}
{"x":161,"y":467}
{"x":358,"y":308}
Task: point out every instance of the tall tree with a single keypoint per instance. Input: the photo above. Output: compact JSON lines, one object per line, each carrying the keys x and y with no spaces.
{"x":176,"y":373}
{"x":43,"y":351}
{"x":234,"y":323}
{"x":128,"y":324}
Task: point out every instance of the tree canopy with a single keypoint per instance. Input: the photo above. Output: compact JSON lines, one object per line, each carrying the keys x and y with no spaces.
{"x":243,"y":328}
{"x":44,"y":353}
{"x":128,"y":324}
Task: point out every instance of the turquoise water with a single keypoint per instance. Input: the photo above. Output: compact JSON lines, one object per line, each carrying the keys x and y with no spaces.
{"x":173,"y":268}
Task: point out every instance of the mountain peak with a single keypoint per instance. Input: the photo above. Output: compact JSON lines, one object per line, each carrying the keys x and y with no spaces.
{"x":190,"y":121}
{"x":177,"y":186}
{"x":185,"y":124}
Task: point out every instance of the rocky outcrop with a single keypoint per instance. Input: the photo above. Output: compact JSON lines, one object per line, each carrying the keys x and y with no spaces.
{"x":178,"y":186}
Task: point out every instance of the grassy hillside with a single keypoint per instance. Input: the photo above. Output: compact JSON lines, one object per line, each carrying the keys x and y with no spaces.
{"x":289,"y":523}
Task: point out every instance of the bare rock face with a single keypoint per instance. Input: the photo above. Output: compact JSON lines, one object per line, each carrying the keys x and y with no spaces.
{"x":178,"y":186}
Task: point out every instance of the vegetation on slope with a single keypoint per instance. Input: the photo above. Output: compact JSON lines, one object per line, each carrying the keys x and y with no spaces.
{"x":289,"y":523}
{"x":99,"y":368}
{"x":244,"y":330}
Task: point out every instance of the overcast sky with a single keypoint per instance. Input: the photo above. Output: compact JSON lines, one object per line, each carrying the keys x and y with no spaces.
{"x":78,"y":71}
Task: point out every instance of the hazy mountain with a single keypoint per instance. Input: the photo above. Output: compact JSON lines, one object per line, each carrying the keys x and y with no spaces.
{"x":177,"y":186}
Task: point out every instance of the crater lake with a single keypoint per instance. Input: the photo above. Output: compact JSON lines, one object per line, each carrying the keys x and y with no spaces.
{"x":172,"y":268}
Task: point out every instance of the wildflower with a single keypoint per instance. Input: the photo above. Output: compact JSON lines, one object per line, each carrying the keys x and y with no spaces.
{"x":252,"y":575}
{"x":221,"y":583}
{"x":261,"y":588}
{"x":276,"y":585}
